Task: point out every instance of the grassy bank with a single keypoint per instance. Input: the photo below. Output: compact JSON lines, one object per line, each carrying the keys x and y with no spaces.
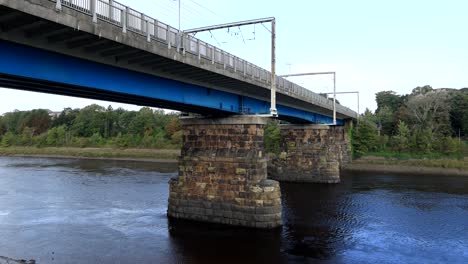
{"x":459,"y":163}
{"x":110,"y":153}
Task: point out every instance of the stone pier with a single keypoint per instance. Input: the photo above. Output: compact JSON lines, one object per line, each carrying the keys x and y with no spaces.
{"x":311,"y":153}
{"x":223,"y":174}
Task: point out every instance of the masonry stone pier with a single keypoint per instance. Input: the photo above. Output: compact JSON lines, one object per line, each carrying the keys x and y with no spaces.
{"x":223,"y":174}
{"x":311,"y":153}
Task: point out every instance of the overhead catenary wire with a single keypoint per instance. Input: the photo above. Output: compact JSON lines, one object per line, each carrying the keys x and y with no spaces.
{"x":266,"y":27}
{"x":214,"y":38}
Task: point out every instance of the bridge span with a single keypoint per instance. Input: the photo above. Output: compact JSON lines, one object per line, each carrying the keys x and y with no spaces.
{"x":104,"y":50}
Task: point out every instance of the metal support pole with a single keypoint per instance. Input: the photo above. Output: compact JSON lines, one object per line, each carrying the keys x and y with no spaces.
{"x":273,"y":110}
{"x":93,"y":10}
{"x":334,"y":99}
{"x":358,"y":104}
{"x":179,"y":14}
{"x":58,"y":5}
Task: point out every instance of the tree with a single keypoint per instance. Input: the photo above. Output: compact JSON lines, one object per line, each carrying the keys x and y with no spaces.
{"x":66,"y":117}
{"x":430,"y":111}
{"x":173,"y":126}
{"x":401,"y":139}
{"x":38,"y":120}
{"x":388,"y":99}
{"x":143,"y":123}
{"x":27,"y":136}
{"x":3,"y":128}
{"x":89,"y":121}
{"x":386,"y":120}
{"x":364,"y":137}
{"x":459,"y":112}
{"x":421,"y":90}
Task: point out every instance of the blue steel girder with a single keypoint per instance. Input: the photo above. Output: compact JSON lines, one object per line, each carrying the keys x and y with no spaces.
{"x":28,"y":68}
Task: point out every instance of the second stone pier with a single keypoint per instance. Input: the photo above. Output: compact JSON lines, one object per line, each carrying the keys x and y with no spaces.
{"x":311,"y":153}
{"x":223,"y":174}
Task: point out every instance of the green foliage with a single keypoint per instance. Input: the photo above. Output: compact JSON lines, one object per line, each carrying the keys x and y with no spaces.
{"x":27,"y":137}
{"x":56,"y":136}
{"x":272,"y":137}
{"x":386,"y":120}
{"x":3,"y":128}
{"x":92,"y":126}
{"x":459,"y":112}
{"x":421,"y":90}
{"x":401,"y":140}
{"x":388,"y":99}
{"x":421,"y":123}
{"x":9,"y":139}
{"x":364,"y":138}
{"x":176,"y":138}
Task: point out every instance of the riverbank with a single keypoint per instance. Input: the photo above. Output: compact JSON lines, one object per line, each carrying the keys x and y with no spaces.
{"x":149,"y":155}
{"x":365,"y":164}
{"x":455,"y":167}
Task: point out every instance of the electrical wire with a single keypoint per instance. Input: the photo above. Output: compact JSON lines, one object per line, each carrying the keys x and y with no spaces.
{"x":214,"y":38}
{"x":266,"y":27}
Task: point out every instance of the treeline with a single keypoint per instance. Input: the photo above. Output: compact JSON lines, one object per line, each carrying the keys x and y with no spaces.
{"x":426,"y":122}
{"x":92,"y":126}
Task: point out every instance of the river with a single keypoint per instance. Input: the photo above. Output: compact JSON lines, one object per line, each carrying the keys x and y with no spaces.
{"x":94,"y":211}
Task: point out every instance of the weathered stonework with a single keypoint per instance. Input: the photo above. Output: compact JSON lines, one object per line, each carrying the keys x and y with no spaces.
{"x":311,"y":153}
{"x":223,"y":174}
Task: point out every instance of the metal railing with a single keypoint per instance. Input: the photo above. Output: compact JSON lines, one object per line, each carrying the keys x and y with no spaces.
{"x":131,"y":20}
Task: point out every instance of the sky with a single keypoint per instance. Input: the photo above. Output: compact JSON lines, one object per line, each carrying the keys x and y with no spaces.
{"x":371,"y":45}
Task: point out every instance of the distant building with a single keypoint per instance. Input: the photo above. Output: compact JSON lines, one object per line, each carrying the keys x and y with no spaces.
{"x":53,"y":114}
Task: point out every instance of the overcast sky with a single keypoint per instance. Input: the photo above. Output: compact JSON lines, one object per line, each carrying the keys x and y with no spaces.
{"x":372,"y":45}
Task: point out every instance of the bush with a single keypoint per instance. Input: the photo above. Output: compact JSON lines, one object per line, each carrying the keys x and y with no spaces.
{"x":9,"y":139}
{"x":272,"y":137}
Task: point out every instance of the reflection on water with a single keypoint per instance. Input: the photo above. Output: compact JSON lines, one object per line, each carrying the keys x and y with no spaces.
{"x":94,"y":211}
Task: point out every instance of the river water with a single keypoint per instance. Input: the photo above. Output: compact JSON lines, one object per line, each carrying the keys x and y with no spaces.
{"x":92,"y":211}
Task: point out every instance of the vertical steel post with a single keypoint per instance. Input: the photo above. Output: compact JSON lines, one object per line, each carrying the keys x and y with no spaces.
{"x":334,"y":98}
{"x":358,"y":104}
{"x":179,"y":14}
{"x":273,"y":111}
{"x":58,"y":5}
{"x":93,"y":10}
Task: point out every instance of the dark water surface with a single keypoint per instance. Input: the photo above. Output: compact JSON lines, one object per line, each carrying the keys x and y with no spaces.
{"x":88,"y":211}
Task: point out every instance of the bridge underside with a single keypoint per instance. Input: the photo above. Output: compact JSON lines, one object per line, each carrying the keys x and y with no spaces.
{"x":33,"y":69}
